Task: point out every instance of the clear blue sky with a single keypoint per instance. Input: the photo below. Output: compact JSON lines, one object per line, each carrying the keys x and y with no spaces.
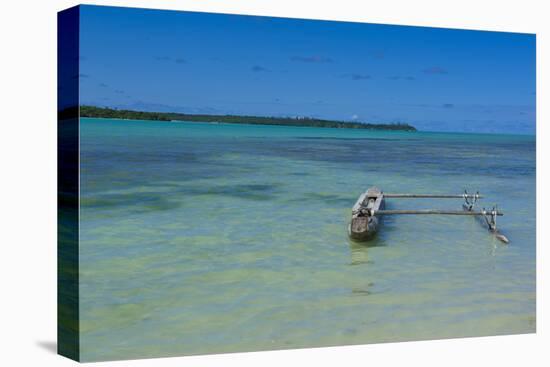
{"x":435,"y":79}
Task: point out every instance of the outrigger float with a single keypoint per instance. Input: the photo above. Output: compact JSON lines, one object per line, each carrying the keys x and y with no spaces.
{"x":371,"y":207}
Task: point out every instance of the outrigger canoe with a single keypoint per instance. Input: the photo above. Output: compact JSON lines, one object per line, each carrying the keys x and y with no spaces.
{"x":367,"y":213}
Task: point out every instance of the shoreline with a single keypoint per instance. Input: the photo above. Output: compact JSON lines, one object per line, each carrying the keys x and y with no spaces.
{"x":249,"y":125}
{"x":504,"y":135}
{"x":101,"y":112}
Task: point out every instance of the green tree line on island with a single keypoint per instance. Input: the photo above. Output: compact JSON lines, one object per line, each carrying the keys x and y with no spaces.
{"x":101,"y":112}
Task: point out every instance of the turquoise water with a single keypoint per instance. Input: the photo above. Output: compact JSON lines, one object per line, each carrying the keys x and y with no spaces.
{"x":208,"y":238}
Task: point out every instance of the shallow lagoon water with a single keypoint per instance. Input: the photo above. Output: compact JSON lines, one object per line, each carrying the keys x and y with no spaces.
{"x":208,"y":238}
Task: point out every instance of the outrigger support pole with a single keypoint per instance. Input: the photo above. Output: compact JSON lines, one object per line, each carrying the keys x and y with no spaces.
{"x":484,"y":212}
{"x":492,"y":224}
{"x":435,"y":196}
{"x":470,"y":200}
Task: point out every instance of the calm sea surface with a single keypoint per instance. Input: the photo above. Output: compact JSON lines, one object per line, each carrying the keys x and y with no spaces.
{"x":207,"y":238}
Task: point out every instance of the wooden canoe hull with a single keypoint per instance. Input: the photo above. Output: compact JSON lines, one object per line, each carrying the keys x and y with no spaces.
{"x":364,"y":227}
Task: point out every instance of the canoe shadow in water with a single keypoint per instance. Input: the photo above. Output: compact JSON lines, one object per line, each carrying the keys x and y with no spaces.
{"x":359,"y":249}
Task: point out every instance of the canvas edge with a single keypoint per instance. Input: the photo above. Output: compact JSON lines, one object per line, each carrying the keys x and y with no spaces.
{"x":68,"y":313}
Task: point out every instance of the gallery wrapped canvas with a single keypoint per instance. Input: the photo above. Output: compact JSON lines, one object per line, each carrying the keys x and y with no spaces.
{"x":233,"y":183}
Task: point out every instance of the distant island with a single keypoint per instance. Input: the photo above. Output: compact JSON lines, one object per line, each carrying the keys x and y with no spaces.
{"x":101,"y":112}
